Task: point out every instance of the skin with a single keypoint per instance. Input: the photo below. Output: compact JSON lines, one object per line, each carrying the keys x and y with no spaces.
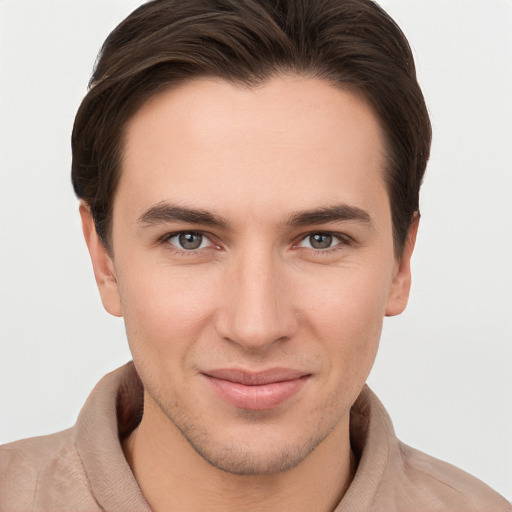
{"x":257,"y":294}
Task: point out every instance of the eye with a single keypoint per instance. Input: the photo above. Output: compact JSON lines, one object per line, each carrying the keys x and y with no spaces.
{"x":320,"y":241}
{"x":189,"y":240}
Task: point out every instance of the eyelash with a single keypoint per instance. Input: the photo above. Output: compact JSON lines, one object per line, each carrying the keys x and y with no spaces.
{"x":343,"y":241}
{"x":184,"y":252}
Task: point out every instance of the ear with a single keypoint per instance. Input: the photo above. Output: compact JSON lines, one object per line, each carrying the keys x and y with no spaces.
{"x":401,"y":284}
{"x":103,"y":265}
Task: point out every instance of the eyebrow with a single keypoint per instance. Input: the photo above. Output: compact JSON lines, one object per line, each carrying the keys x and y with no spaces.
{"x":165,"y":212}
{"x":336,"y":213}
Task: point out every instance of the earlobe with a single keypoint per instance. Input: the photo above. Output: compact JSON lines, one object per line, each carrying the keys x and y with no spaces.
{"x":401,"y":285}
{"x":103,"y":265}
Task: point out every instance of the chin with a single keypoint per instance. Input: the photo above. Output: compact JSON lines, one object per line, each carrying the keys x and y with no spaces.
{"x":238,"y":460}
{"x":253,"y":451}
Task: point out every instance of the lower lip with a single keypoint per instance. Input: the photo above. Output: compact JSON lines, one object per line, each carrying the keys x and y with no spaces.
{"x":256,"y":398}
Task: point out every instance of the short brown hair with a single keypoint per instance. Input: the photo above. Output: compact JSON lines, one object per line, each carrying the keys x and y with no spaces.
{"x":352,"y":44}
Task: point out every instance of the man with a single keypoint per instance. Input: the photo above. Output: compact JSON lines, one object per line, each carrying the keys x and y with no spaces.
{"x":249,"y":176}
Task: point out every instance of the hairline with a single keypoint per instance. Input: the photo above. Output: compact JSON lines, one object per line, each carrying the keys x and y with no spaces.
{"x":253,"y":83}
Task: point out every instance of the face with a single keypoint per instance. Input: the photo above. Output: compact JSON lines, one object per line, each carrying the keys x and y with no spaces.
{"x":252,"y":260}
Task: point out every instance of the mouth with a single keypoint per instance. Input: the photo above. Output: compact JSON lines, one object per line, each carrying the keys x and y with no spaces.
{"x":256,"y":391}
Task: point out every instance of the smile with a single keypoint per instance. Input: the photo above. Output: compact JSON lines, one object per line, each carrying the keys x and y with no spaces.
{"x":256,"y":391}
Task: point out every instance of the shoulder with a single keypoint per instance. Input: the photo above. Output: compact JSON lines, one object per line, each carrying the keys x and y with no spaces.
{"x":42,"y":473}
{"x":21,"y":461}
{"x":441,"y":486}
{"x":392,"y":476}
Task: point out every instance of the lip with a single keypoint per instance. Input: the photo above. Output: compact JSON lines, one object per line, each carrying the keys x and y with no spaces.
{"x":256,"y":391}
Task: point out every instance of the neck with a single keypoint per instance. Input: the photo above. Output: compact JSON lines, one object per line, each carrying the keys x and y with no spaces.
{"x":173,"y":477}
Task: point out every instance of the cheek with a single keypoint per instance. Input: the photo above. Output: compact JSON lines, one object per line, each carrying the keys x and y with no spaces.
{"x":347,"y":299}
{"x":347,"y":315}
{"x":164,"y":311}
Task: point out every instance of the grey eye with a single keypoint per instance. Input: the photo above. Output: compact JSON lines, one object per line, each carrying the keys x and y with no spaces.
{"x":320,"y":240}
{"x":190,"y":241}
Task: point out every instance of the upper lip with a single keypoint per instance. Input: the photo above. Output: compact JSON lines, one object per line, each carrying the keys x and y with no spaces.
{"x":260,"y":378}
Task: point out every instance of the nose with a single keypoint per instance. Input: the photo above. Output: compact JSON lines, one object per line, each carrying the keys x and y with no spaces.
{"x":258,"y":308}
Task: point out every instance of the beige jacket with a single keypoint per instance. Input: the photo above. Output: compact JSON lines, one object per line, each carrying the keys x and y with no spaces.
{"x":84,"y":468}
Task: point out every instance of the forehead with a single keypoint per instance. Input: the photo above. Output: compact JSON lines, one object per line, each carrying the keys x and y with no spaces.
{"x":289,"y":143}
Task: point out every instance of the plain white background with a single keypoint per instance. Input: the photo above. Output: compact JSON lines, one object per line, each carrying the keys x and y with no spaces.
{"x":444,"y":367}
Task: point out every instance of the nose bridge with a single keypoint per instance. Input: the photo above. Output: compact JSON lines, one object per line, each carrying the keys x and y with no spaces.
{"x":257,"y":309}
